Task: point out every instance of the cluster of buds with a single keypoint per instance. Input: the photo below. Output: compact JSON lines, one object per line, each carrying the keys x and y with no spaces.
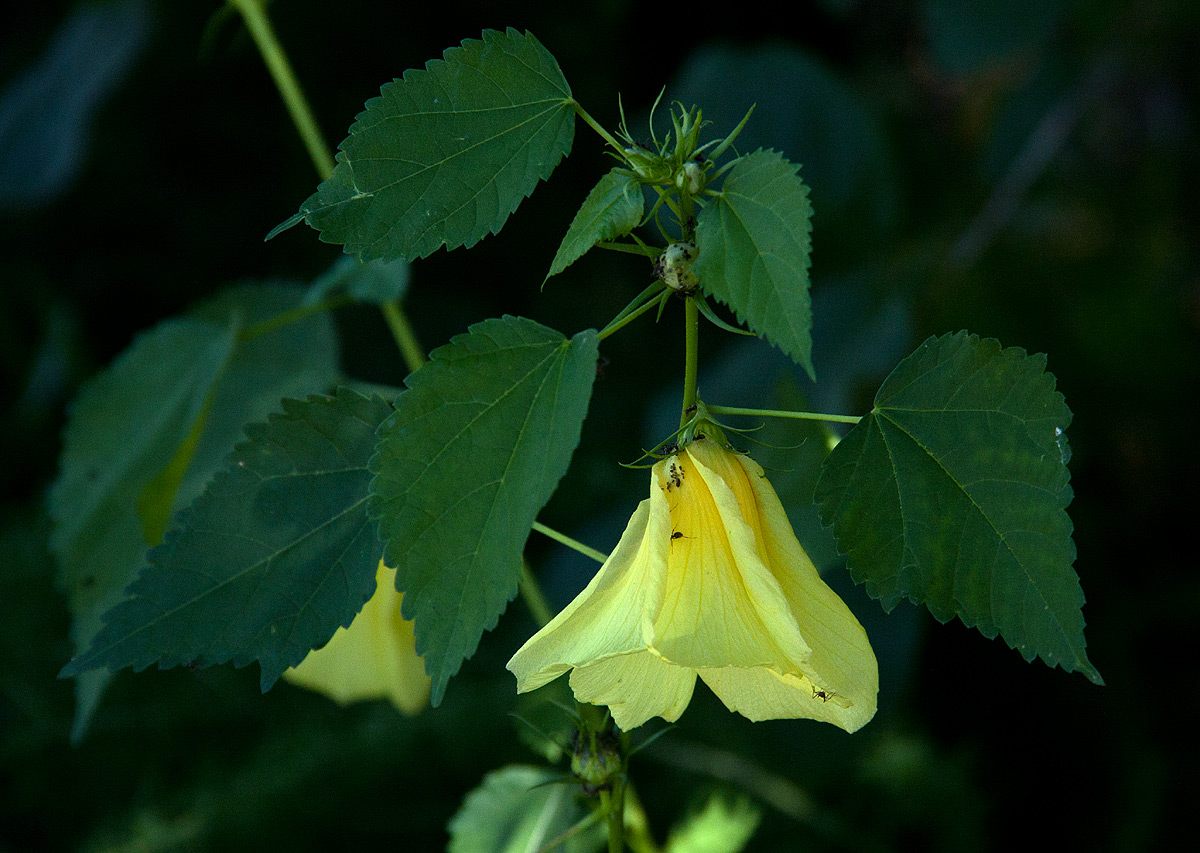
{"x":677,"y":160}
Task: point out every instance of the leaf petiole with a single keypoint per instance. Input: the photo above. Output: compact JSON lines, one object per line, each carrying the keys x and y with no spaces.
{"x":641,"y":303}
{"x":595,"y":125}
{"x":779,"y":413}
{"x":295,"y":315}
{"x":574,"y":544}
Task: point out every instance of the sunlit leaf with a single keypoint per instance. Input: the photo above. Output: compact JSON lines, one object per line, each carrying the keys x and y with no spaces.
{"x":953,"y":492}
{"x":443,"y":156}
{"x":474,"y":450}
{"x":519,"y":809}
{"x":720,"y":827}
{"x":754,"y":251}
{"x":275,"y":555}
{"x":612,"y":209}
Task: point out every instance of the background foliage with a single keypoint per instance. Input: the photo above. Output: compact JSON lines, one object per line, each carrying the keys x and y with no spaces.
{"x":1015,"y":169}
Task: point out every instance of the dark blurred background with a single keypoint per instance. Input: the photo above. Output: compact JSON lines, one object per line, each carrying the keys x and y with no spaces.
{"x":1019,"y":169}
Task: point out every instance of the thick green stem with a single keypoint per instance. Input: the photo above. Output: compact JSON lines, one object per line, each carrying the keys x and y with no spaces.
{"x":255,"y":16}
{"x":778,"y":413}
{"x":687,"y":215}
{"x":613,"y":804}
{"x":691,"y":358}
{"x":574,"y":544}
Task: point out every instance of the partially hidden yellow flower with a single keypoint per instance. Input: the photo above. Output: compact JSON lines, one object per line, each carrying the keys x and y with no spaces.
{"x":709,"y":580}
{"x":375,"y":658}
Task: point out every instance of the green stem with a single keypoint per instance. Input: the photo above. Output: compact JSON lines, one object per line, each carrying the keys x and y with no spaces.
{"x":594,"y":125}
{"x":777,"y":413}
{"x":691,"y":358}
{"x":620,"y":322}
{"x":687,"y":215}
{"x":630,"y":249}
{"x":563,"y":538}
{"x":535,"y":600}
{"x":402,"y":331}
{"x":292,"y":316}
{"x":255,"y":16}
{"x":610,"y":802}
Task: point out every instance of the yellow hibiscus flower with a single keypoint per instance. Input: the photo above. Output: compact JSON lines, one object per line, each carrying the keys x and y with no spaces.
{"x":375,"y":658}
{"x":709,"y":580}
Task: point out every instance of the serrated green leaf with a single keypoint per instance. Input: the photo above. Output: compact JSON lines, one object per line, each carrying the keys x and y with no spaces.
{"x":443,"y":156}
{"x":519,"y":809}
{"x":612,"y":209}
{"x":140,"y":463}
{"x":475,"y":448}
{"x":376,"y":282}
{"x":275,"y":555}
{"x":754,"y":242}
{"x":953,"y":492}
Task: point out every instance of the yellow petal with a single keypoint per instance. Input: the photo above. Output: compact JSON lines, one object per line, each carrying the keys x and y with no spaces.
{"x":760,"y":694}
{"x":635,"y":687}
{"x":375,"y":658}
{"x":612,"y":616}
{"x":842,"y":663}
{"x":722,"y":605}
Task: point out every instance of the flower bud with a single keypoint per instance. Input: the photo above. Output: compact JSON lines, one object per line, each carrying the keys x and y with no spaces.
{"x":595,"y":759}
{"x":674,"y":266}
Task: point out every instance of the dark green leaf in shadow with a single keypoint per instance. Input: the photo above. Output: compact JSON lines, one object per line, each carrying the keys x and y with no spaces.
{"x":102,"y":557}
{"x":612,"y":209}
{"x":475,"y":448}
{"x":953,"y":492}
{"x":375,"y":282}
{"x":125,"y":429}
{"x":754,"y":242}
{"x":275,"y":555}
{"x":443,"y":156}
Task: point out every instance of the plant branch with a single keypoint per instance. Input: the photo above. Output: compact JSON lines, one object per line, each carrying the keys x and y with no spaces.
{"x":254,"y":14}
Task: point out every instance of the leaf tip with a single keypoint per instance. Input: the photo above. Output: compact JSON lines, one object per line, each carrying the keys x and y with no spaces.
{"x":292,"y":221}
